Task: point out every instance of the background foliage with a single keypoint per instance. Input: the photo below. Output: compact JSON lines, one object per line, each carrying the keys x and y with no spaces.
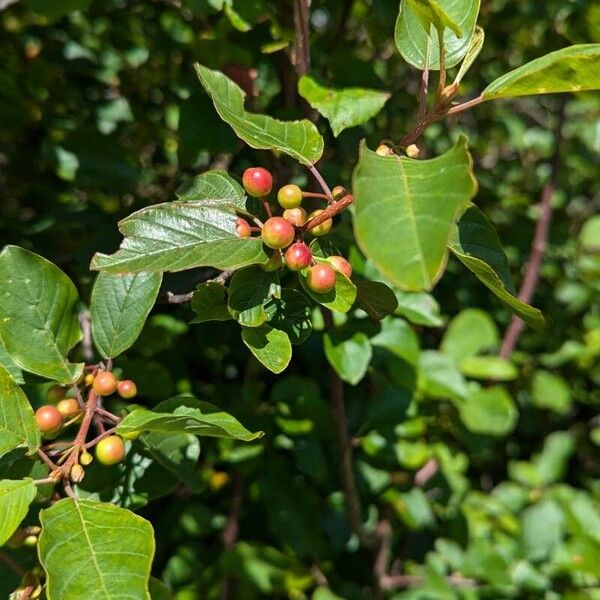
{"x":101,"y":113}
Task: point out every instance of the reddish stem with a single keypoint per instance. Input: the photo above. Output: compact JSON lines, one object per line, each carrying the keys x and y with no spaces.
{"x":331,"y":211}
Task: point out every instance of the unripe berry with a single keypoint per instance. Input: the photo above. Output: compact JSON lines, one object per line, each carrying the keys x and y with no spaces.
{"x":289,"y":196}
{"x":242,"y":228}
{"x":338,"y":192}
{"x":257,"y":181}
{"x":55,"y":393}
{"x":298,"y":256}
{"x":89,"y":379}
{"x":278,"y":233}
{"x":324,"y":227}
{"x":296,"y":216}
{"x":275,"y":263}
{"x":48,"y":419}
{"x":127,"y":389}
{"x":85,"y":458}
{"x":110,"y":450}
{"x":68,"y":407}
{"x":105,"y":383}
{"x":321,"y":278}
{"x":341,"y":264}
{"x":77,"y":473}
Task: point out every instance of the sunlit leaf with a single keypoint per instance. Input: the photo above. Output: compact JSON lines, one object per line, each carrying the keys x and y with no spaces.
{"x":15,"y":498}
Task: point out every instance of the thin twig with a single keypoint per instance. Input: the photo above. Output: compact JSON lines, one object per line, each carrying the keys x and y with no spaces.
{"x":465,"y":105}
{"x":320,"y":180}
{"x":104,"y":434}
{"x":383,"y":533}
{"x":392,"y":582}
{"x":335,"y":208}
{"x":538,"y":246}
{"x":301,"y":54}
{"x":231,"y":531}
{"x":426,"y":472}
{"x":46,"y":459}
{"x":179,"y":298}
{"x":423,"y":94}
{"x":442,"y":79}
{"x":12,"y":564}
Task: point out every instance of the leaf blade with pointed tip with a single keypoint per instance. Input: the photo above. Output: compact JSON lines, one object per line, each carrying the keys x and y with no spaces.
{"x":272,"y":347}
{"x":39,"y":324}
{"x":15,"y":498}
{"x":114,"y":548}
{"x":475,"y":243}
{"x":119,"y":306}
{"x":181,"y":235}
{"x":571,"y":69}
{"x":343,"y":108}
{"x":249,"y":291}
{"x":349,"y":354}
{"x":472,"y":53}
{"x":299,"y":139}
{"x":412,"y":205}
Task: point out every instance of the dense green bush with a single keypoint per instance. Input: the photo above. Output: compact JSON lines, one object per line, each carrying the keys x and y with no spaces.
{"x":397,"y":437}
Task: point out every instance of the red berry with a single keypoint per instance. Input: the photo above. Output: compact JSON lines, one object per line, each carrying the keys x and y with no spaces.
{"x":322,"y":228}
{"x":341,"y":264}
{"x":48,"y":419}
{"x":105,"y":383}
{"x":275,"y":263}
{"x":296,"y":216}
{"x":242,"y":228}
{"x":278,"y":233}
{"x":257,"y":181}
{"x":127,"y":389}
{"x":110,"y":450}
{"x":68,"y":407}
{"x":290,"y":196}
{"x":321,"y":278}
{"x":298,"y":256}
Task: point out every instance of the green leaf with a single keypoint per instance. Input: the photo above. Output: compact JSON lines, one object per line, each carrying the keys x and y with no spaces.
{"x":299,"y":139}
{"x":158,"y":590}
{"x":291,"y":313}
{"x":412,"y":205}
{"x":272,"y":347}
{"x":489,"y":411}
{"x":542,"y":530}
{"x":184,"y":414}
{"x":209,"y":302}
{"x":181,"y":235}
{"x":475,"y":243}
{"x":399,"y":338}
{"x":113,"y":550}
{"x":349,"y":353}
{"x":469,"y":333}
{"x":15,"y":498}
{"x":472,"y":53}
{"x":418,"y":43}
{"x":120,"y":305}
{"x":17,"y":421}
{"x":10,"y":365}
{"x":589,"y":237}
{"x":572,"y":69}
{"x":376,"y":299}
{"x":439,"y":376}
{"x":249,"y":291}
{"x":343,"y":108}
{"x":551,"y":392}
{"x":493,"y":368}
{"x":38,"y":321}
{"x":214,"y":185}
{"x":340,"y":299}
{"x":419,"y":308}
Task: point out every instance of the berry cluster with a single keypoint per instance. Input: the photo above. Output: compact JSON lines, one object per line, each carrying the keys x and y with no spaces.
{"x":51,"y":419}
{"x":285,"y":234}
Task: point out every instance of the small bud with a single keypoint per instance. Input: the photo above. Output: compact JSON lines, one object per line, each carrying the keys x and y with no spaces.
{"x":412,"y":151}
{"x":77,"y":473}
{"x":86,"y":458}
{"x":30,"y":541}
{"x":338,"y":192}
{"x":384,"y":150}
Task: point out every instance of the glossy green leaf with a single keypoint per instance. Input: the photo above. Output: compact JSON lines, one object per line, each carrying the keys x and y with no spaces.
{"x":120,"y":305}
{"x":572,"y":69}
{"x":209,"y":302}
{"x":475,"y":243}
{"x":38,"y":323}
{"x":340,"y":299}
{"x":542,"y":530}
{"x":272,"y":347}
{"x":471,"y":332}
{"x":418,"y":43}
{"x":185,"y":414}
{"x":15,"y":498}
{"x":439,"y":377}
{"x":412,"y":205}
{"x":399,"y":338}
{"x":376,"y":299}
{"x":249,"y":291}
{"x":17,"y":421}
{"x":343,"y":108}
{"x":299,"y":139}
{"x":114,"y":550}
{"x":349,"y":353}
{"x":493,"y":368}
{"x":489,"y":411}
{"x":181,"y":235}
{"x":292,"y":314}
{"x":10,"y":365}
{"x":419,"y":308}
{"x":214,"y":185}
{"x":551,"y":392}
{"x":472,"y":53}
